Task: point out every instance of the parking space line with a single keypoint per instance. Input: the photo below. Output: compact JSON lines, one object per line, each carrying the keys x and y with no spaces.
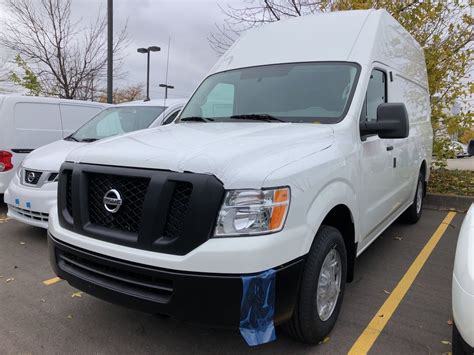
{"x":367,"y":339}
{"x":52,"y":281}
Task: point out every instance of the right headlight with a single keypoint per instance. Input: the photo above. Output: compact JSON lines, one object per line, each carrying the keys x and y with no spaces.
{"x":253,"y":212}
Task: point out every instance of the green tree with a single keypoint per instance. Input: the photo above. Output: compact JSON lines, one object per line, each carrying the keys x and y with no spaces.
{"x":443,"y":29}
{"x":28,"y":79}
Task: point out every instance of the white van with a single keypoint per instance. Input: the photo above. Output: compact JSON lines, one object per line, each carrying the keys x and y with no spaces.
{"x":33,"y":190}
{"x":29,"y":122}
{"x":308,"y":138}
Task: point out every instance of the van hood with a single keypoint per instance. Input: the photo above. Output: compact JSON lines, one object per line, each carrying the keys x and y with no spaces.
{"x":51,"y":156}
{"x":240,"y":154}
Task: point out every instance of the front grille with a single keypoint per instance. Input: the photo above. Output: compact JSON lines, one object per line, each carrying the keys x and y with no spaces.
{"x":132,"y":191}
{"x":178,"y":210}
{"x":106,"y":272}
{"x":161,"y":211}
{"x":32,"y":177}
{"x":68,"y":174}
{"x":52,"y":177}
{"x":33,"y":215}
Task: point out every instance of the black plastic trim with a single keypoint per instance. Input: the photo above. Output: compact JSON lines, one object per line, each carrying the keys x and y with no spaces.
{"x":203,"y":298}
{"x":22,"y":151}
{"x":198,"y":226}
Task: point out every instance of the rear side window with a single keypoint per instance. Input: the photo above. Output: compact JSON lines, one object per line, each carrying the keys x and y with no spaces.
{"x":376,"y":94}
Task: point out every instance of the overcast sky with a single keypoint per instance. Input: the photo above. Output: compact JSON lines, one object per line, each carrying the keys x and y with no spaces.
{"x":152,"y":22}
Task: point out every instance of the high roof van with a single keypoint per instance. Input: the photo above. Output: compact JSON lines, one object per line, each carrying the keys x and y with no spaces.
{"x":29,"y":122}
{"x":307,"y":139}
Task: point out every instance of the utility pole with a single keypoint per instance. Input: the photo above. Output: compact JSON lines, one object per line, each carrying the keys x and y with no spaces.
{"x":110,"y":40}
{"x":166,"y":89}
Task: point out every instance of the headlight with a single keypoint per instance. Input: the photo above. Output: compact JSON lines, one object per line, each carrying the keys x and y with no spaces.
{"x":252,"y":212}
{"x":18,"y":170}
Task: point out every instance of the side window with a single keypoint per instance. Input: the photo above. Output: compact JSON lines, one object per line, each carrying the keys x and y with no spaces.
{"x":376,"y":94}
{"x":220,"y":101}
{"x":170,"y":118}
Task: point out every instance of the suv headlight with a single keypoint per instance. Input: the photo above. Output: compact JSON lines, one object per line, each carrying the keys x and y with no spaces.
{"x":253,"y":212}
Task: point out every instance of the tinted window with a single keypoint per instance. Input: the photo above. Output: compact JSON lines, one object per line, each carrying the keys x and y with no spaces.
{"x":118,"y":120}
{"x":376,"y":94}
{"x":301,"y":92}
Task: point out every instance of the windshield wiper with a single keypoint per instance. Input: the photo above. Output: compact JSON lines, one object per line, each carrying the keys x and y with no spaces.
{"x":71,"y":138}
{"x":196,"y":119}
{"x":257,"y":117}
{"x":89,"y":140}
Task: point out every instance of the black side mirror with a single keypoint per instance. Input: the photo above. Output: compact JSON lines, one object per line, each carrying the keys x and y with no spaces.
{"x":392,"y":122}
{"x":470,"y":148}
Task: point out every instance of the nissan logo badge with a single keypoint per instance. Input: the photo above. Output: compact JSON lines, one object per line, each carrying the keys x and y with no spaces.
{"x":30,"y":177}
{"x":112,"y":201}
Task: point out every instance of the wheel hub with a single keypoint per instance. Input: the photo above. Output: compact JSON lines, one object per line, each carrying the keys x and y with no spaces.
{"x":329,"y":285}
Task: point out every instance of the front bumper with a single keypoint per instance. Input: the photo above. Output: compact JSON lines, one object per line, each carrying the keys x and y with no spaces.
{"x":30,"y":205}
{"x":203,"y":298}
{"x":463,"y":312}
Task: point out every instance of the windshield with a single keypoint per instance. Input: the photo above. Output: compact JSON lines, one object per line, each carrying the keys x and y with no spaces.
{"x":298,"y":92}
{"x":117,"y":120}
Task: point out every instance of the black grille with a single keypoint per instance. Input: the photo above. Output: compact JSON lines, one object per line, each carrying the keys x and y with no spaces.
{"x":178,"y":210}
{"x":132,"y":191}
{"x":69,"y":191}
{"x":32,"y":177}
{"x":129,"y":281}
{"x":52,"y":176}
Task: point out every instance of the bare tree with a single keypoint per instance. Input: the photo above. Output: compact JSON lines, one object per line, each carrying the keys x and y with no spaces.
{"x":69,"y":59}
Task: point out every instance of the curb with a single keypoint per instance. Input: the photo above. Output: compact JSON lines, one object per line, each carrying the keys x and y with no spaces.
{"x":448,"y":202}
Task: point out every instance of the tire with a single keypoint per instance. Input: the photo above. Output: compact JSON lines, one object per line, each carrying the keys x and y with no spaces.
{"x":413,"y":213}
{"x":306,"y":324}
{"x":458,"y":343}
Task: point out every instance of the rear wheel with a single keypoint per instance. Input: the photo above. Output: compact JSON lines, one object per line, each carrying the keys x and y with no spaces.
{"x":322,"y":288}
{"x":413,"y":213}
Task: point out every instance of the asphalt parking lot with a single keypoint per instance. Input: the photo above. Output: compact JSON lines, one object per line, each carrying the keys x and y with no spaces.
{"x":39,"y":318}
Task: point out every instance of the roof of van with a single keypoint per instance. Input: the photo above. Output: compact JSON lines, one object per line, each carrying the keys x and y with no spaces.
{"x":156,"y":102}
{"x":42,"y":99}
{"x":360,"y":36}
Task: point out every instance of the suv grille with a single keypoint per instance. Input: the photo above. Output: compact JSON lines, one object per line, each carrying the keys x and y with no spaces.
{"x":132,"y":191}
{"x":157,"y":210}
{"x":32,"y":177}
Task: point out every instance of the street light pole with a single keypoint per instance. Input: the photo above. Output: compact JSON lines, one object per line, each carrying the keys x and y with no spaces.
{"x":166,"y":89}
{"x":110,"y":62}
{"x":147,"y":51}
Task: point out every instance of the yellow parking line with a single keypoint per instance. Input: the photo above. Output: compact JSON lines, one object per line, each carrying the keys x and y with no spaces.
{"x":52,"y":281}
{"x":381,"y":318}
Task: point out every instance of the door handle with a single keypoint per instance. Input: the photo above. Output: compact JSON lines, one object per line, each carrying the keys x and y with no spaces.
{"x":389,"y":148}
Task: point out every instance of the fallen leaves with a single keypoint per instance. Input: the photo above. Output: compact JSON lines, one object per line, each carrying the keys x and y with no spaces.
{"x":69,"y":316}
{"x":387,"y":292}
{"x":10,"y":279}
{"x":76,"y":294}
{"x":325,"y":340}
{"x":445,"y":342}
{"x":398,"y":238}
{"x":22,"y":243}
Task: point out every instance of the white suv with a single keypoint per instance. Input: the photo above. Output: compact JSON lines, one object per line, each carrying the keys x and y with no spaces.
{"x":287,"y":162}
{"x":33,"y":190}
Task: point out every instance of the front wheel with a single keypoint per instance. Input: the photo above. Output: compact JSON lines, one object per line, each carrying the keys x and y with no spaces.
{"x":322,"y":288}
{"x":413,"y":213}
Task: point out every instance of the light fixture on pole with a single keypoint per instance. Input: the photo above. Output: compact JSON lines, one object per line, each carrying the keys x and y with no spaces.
{"x":147,"y":51}
{"x":166,"y":89}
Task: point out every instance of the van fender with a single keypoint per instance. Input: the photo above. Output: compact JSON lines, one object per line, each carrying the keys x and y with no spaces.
{"x":337,"y":192}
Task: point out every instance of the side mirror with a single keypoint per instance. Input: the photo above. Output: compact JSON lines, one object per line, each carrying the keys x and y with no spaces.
{"x":392,"y":122}
{"x":470,"y":148}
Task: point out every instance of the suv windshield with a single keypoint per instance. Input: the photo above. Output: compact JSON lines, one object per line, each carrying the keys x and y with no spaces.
{"x":117,"y":120}
{"x":298,"y":92}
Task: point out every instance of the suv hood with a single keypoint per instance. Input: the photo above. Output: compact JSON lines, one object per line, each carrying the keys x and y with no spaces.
{"x":51,"y":156}
{"x":240,"y":154}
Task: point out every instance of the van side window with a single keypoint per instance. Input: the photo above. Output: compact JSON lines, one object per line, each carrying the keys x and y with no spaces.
{"x":376,"y":94}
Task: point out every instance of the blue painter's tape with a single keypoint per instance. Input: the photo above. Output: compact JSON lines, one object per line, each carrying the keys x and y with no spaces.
{"x":28,"y":205}
{"x":17,"y":201}
{"x":257,"y":308}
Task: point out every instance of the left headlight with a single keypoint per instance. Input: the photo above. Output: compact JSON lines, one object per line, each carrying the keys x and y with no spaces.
{"x":253,"y":212}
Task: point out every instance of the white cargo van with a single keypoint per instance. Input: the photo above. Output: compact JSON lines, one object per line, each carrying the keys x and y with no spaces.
{"x":29,"y":122}
{"x":307,"y":139}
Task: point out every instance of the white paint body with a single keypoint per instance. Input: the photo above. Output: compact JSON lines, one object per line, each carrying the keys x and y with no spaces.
{"x":324,"y":165}
{"x":31,"y":204}
{"x":29,"y":122}
{"x":463,"y":280}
